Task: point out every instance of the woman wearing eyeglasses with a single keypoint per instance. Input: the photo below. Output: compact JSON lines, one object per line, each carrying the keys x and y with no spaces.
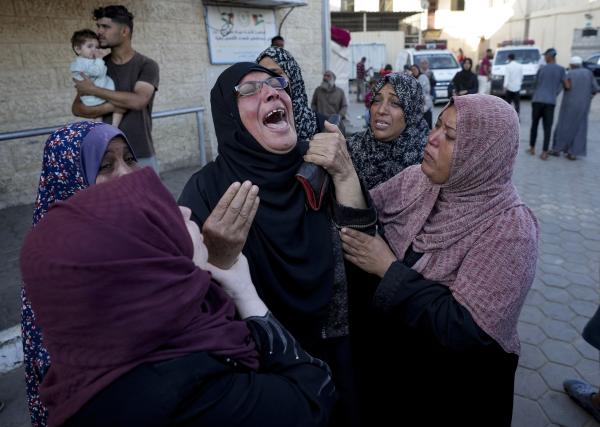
{"x":295,"y":262}
{"x":308,"y":122}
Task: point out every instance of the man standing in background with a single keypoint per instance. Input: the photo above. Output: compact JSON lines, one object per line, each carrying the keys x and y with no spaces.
{"x":551,"y":78}
{"x":513,"y":79}
{"x":424,"y":67}
{"x":485,"y":72}
{"x":136,"y":82}
{"x":329,"y":99}
{"x":278,"y":41}
{"x":570,"y":134}
{"x":360,"y":78}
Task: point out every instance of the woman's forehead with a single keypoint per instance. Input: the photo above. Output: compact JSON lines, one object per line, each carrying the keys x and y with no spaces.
{"x":388,"y":88}
{"x":117,"y":143}
{"x":255,"y":75}
{"x":449,"y":116}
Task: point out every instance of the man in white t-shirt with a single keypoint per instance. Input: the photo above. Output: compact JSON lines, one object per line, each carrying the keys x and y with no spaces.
{"x":513,"y":78}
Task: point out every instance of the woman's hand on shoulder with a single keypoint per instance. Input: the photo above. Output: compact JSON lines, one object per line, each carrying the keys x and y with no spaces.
{"x":370,"y":253}
{"x":226,"y":229}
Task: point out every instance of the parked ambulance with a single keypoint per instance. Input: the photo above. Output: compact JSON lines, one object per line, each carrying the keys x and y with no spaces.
{"x":525,"y":53}
{"x":442,"y":63}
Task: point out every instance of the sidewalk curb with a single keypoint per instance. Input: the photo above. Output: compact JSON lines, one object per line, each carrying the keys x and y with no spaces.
{"x":11,"y":349}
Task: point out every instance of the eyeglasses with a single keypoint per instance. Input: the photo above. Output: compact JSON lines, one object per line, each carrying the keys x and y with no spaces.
{"x":250,"y":88}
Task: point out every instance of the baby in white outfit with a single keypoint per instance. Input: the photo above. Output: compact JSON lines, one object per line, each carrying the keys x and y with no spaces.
{"x":85,"y":44}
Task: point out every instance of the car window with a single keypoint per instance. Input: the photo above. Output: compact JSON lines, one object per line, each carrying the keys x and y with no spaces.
{"x":438,"y":61}
{"x":523,"y":56}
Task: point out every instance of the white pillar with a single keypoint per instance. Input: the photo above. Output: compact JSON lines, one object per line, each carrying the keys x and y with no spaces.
{"x":326,"y":18}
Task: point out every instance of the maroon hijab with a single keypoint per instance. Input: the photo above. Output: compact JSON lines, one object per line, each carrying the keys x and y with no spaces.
{"x":111,"y":279}
{"x":476,"y":235}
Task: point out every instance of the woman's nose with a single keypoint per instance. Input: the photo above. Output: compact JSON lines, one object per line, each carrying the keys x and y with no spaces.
{"x":382,"y":108}
{"x":124,"y":169}
{"x":270,"y":92}
{"x":433,"y":136}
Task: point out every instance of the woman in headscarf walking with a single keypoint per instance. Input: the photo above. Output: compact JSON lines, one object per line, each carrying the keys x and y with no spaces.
{"x":465,"y":81}
{"x":426,"y":86}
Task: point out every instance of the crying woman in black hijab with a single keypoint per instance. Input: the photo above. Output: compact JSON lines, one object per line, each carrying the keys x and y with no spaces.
{"x":294,"y":253}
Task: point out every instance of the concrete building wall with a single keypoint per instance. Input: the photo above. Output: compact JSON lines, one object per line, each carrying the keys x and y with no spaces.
{"x":585,"y":46}
{"x":465,"y":29}
{"x":393,"y":40}
{"x":551,"y":23}
{"x":36,"y":89}
{"x":550,"y":26}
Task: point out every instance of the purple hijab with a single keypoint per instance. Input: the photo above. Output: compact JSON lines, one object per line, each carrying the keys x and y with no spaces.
{"x":72,"y":157}
{"x":476,"y":235}
{"x":111,"y":279}
{"x":93,"y":147}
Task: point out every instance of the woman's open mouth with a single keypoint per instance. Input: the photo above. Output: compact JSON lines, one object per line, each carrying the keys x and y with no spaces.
{"x":276,"y":119}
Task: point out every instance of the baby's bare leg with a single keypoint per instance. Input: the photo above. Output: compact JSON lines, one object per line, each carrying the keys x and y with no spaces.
{"x":118,"y":116}
{"x":116,"y":119}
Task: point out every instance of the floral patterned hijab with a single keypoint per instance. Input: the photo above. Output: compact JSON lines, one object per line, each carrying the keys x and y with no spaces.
{"x":70,"y":164}
{"x":72,"y":156}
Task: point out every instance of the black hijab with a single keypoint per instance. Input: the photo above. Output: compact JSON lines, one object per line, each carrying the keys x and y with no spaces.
{"x":308,"y":123}
{"x":466,"y":79}
{"x":289,"y":248}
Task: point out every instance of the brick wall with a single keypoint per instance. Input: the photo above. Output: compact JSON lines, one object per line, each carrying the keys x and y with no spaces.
{"x":36,"y":88}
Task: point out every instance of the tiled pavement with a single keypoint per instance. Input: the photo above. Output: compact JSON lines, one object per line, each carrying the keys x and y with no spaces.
{"x":563,"y":194}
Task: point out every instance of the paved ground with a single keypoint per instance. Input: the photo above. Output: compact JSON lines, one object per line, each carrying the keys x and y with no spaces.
{"x":563,"y":194}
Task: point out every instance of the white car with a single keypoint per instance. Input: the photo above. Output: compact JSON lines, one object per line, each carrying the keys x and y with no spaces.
{"x":527,"y":55}
{"x":442,"y":63}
